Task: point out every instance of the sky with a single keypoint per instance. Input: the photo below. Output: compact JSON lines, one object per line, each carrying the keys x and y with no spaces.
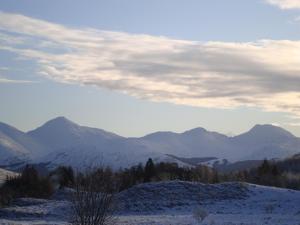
{"x":136,"y":67}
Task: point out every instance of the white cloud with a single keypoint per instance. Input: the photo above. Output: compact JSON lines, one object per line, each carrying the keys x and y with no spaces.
{"x":10,"y":81}
{"x":285,"y":4}
{"x":293,"y":124}
{"x":263,"y":74}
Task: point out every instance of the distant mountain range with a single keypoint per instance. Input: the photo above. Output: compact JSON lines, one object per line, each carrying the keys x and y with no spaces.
{"x":63,"y":142}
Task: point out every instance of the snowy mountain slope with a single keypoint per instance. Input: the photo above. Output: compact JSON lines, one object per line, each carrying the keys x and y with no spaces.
{"x":62,"y":133}
{"x":266,"y":141}
{"x":16,"y":146}
{"x":11,"y":151}
{"x":115,"y":154}
{"x":197,"y":142}
{"x":264,"y":134}
{"x":196,"y":160}
{"x":83,"y":147}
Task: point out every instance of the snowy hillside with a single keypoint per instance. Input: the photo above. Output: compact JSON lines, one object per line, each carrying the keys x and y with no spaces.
{"x":224,"y":204}
{"x":116,"y":155}
{"x":177,"y":195}
{"x":16,"y":146}
{"x":175,"y":203}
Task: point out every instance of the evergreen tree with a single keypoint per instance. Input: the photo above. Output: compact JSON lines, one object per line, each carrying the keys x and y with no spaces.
{"x":264,"y":168}
{"x":149,"y":170}
{"x":275,"y":171}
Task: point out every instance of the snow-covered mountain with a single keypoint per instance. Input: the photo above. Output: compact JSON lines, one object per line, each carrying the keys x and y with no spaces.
{"x":197,"y":142}
{"x":266,"y":141}
{"x":82,"y":147}
{"x":63,"y":142}
{"x":262,"y":141}
{"x":62,"y":133}
{"x":17,"y":146}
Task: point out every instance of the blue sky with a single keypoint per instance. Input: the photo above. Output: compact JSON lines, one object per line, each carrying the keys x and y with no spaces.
{"x":134,"y":67}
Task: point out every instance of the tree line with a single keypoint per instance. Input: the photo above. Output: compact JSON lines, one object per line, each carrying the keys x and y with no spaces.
{"x":31,"y":184}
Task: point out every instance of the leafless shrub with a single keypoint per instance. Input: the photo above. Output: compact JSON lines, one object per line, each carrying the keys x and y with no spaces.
{"x":93,"y":199}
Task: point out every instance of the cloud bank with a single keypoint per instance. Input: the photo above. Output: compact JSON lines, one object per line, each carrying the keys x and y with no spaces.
{"x":264,"y":74}
{"x":285,"y":4}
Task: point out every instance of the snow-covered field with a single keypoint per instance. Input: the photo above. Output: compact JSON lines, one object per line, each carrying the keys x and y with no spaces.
{"x":174,"y":203}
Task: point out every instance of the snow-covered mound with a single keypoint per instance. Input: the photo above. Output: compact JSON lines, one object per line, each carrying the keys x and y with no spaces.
{"x":170,"y":195}
{"x":175,"y":203}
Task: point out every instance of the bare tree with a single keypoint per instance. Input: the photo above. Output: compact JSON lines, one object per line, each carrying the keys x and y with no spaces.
{"x":93,"y":199}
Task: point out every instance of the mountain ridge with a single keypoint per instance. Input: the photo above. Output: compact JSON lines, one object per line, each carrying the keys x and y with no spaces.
{"x":66,"y":120}
{"x":61,"y":141}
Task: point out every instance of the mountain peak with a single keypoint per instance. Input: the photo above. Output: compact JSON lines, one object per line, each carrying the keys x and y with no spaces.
{"x":265,"y":126}
{"x":197,"y":130}
{"x":270,"y":129}
{"x":264,"y":134}
{"x":60,"y":119}
{"x":57,"y":125}
{"x":202,"y":131}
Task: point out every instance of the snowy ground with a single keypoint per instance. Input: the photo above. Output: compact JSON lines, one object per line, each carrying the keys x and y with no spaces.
{"x":174,"y":203}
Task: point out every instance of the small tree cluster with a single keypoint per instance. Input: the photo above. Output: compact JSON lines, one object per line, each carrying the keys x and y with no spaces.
{"x":277,"y":174}
{"x":164,"y":171}
{"x":269,"y":173}
{"x":28,"y":184}
{"x":63,"y":175}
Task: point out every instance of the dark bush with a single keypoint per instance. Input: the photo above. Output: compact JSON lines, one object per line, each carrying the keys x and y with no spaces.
{"x":64,"y":176}
{"x":28,"y":184}
{"x":92,"y":200}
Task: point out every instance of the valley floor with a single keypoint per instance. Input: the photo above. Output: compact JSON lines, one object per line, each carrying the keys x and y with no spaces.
{"x":256,"y":205}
